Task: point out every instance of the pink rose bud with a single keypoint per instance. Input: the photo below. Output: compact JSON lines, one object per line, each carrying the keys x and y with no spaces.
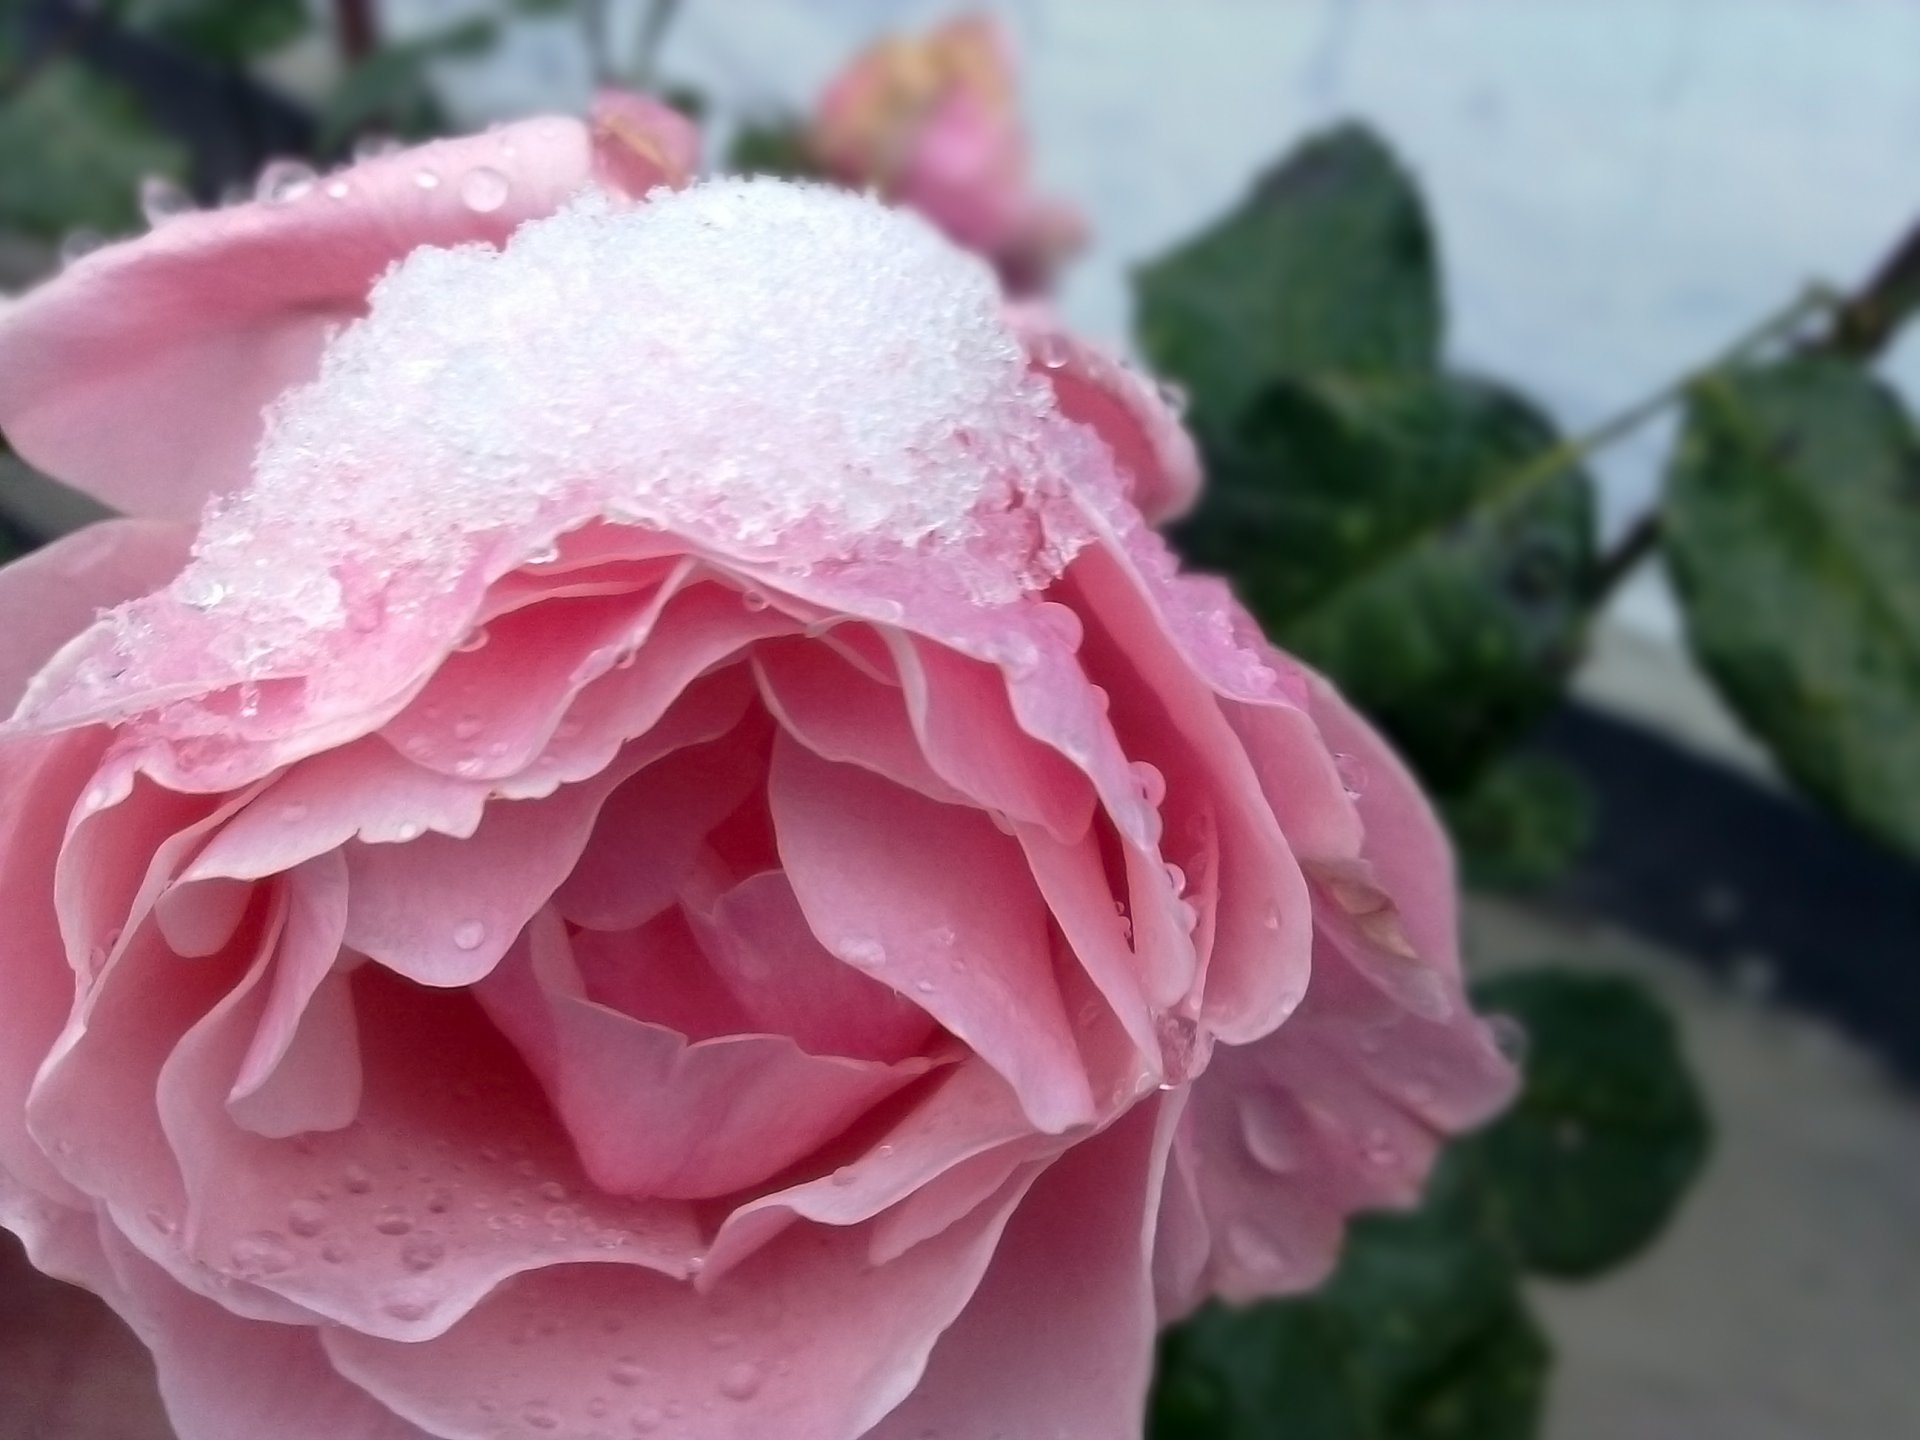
{"x":661,"y":846}
{"x":934,"y":123}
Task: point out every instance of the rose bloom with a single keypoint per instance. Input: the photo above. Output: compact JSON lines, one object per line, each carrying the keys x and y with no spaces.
{"x":634,"y":835}
{"x":933,"y":122}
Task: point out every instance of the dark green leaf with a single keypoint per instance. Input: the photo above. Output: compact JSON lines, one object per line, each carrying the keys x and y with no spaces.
{"x":392,"y":91}
{"x":75,"y":149}
{"x":1403,"y":534}
{"x":226,"y":30}
{"x":1521,"y":824}
{"x":1327,"y":266}
{"x":1793,"y":533}
{"x":1609,"y":1131}
{"x":771,"y":147}
{"x":1420,"y":1335}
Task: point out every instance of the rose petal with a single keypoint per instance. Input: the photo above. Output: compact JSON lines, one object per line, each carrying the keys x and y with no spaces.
{"x":226,"y":1378}
{"x":805,"y":1339}
{"x":141,"y":373}
{"x":452,"y":1177}
{"x":758,"y":944}
{"x":936,"y":904}
{"x":651,"y":1113}
{"x":53,"y":594}
{"x":1124,"y":407}
{"x":1059,"y":1338}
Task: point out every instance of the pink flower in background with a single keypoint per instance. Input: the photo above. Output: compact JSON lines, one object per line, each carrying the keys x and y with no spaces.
{"x":934,"y":123}
{"x":669,"y":853}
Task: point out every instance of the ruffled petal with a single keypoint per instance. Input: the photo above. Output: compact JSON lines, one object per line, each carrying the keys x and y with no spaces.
{"x":141,"y":374}
{"x":932,"y":901}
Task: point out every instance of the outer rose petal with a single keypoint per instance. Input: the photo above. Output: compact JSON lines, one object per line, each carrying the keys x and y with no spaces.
{"x":53,"y":594}
{"x":806,"y":1339}
{"x":1059,"y":1339}
{"x":1126,"y":408}
{"x":140,"y":375}
{"x":225,"y":1378}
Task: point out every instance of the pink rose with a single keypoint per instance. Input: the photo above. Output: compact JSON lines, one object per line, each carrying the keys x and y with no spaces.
{"x":672,"y":855}
{"x":934,"y":123}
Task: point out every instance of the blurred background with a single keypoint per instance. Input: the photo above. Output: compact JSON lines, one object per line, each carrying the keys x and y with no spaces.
{"x":1590,"y":471}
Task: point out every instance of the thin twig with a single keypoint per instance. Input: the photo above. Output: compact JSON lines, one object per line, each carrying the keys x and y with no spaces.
{"x":1814,"y":300}
{"x":1641,"y":540}
{"x":653,"y":33}
{"x":355,"y":29}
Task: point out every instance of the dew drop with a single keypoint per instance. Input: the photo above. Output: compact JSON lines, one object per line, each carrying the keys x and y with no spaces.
{"x":843,"y":1177}
{"x":1152,"y":784}
{"x":469,"y":934}
{"x":408,"y":830}
{"x":427,"y":179}
{"x":553,"y":1191}
{"x":1173,"y":395}
{"x":374,"y":147}
{"x":754,"y":600}
{"x":627,"y":1371}
{"x":282,"y":181}
{"x":645,"y":1420}
{"x":262,"y":1253}
{"x":865,"y":953}
{"x":484,"y":190}
{"x":338,"y":189}
{"x":200,"y":590}
{"x":540,"y":1417}
{"x":1509,"y":1037}
{"x":1353,"y":775}
{"x":355,"y":1180}
{"x":307,"y":1218}
{"x":76,"y":245}
{"x":336,"y":1252}
{"x":162,"y":200}
{"x":467,"y":726}
{"x":474,"y":639}
{"x":741,"y":1381}
{"x":423,"y":1252}
{"x":406,"y":1311}
{"x":393,"y":1221}
{"x":1051,"y":350}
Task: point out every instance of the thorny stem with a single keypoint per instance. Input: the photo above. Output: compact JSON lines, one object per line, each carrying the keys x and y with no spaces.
{"x":653,"y":31}
{"x":354,"y":26}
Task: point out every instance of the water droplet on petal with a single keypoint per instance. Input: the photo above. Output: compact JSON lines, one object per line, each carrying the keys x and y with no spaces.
{"x":467,"y":726}
{"x":741,"y":1381}
{"x":78,"y":244}
{"x":338,"y":189}
{"x":373,"y":147}
{"x":1051,"y":350}
{"x":355,"y":1180}
{"x":162,"y":200}
{"x":406,"y":1311}
{"x":1153,"y":785}
{"x":627,"y":1371}
{"x":307,"y":1218}
{"x":864,"y":953}
{"x":423,"y":1252}
{"x":470,"y":934}
{"x":1509,"y":1037}
{"x":282,"y":181}
{"x":843,"y":1177}
{"x":540,"y":1417}
{"x":1173,"y":395}
{"x":393,"y":1221}
{"x":1353,"y":775}
{"x":484,"y":190}
{"x":474,"y":639}
{"x":427,"y":179}
{"x":754,"y":600}
{"x":200,"y":590}
{"x":262,"y":1253}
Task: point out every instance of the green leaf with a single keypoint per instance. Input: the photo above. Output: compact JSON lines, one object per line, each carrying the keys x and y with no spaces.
{"x":1609,"y":1131}
{"x":771,"y":147}
{"x":1328,"y":265}
{"x":1793,"y":535}
{"x":1403,"y":534}
{"x":392,"y":91}
{"x":1520,"y":825}
{"x":222,"y":30}
{"x":76,"y":148}
{"x":1420,"y":1335}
